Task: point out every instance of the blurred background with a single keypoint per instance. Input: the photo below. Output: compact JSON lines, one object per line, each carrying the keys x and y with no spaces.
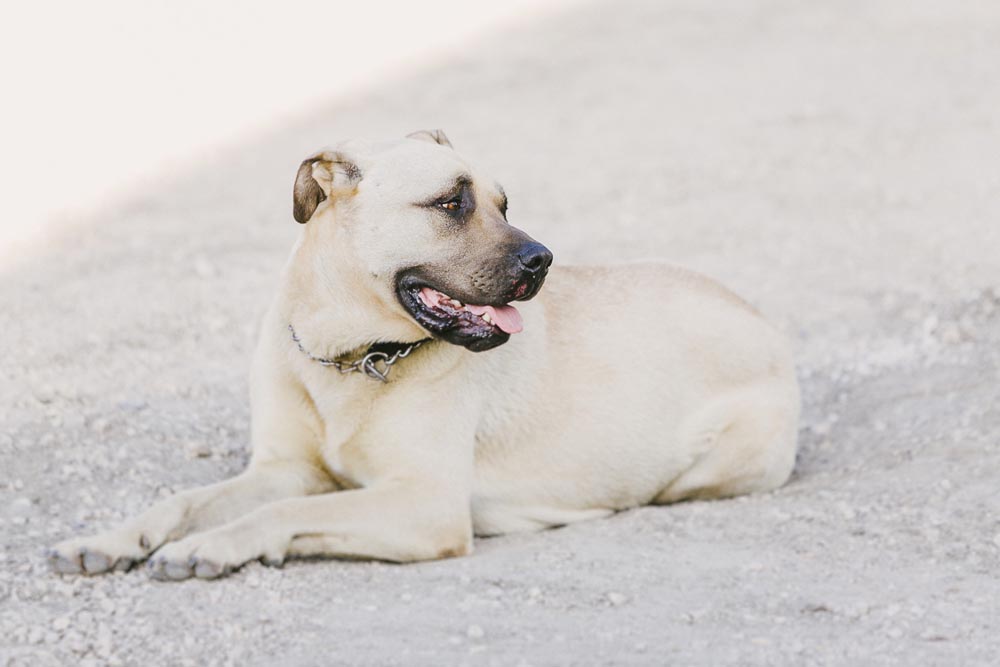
{"x":105,"y":97}
{"x":833,"y":161}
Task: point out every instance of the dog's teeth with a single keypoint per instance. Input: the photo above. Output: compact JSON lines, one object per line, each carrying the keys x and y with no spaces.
{"x":486,"y":316}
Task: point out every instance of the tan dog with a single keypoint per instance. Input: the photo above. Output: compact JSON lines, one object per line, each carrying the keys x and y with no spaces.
{"x":629,"y":385}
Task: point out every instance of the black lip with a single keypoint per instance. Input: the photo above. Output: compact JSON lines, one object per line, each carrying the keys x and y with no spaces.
{"x":459,"y":329}
{"x":534,"y":286}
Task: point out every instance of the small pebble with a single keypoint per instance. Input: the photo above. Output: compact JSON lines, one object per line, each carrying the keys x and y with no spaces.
{"x":617,"y":599}
{"x":197,"y":450}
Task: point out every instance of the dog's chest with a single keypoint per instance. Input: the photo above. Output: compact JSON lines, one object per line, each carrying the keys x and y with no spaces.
{"x":343,"y":414}
{"x":341,"y":464}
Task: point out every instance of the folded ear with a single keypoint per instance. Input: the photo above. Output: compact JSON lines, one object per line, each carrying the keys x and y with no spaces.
{"x":436,"y":136}
{"x":322,"y":175}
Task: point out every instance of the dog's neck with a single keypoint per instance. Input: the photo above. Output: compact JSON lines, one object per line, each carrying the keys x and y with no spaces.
{"x":376,"y":362}
{"x":334,"y":315}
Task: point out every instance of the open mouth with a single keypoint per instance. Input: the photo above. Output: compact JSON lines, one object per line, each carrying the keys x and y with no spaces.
{"x":476,"y":327}
{"x":505,"y":317}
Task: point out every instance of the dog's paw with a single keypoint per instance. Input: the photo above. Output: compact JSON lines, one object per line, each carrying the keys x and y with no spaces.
{"x":172,"y":564}
{"x":114,"y":550}
{"x":212,"y":554}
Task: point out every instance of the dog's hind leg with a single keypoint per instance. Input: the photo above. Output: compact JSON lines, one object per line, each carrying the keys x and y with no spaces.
{"x":744,"y":444}
{"x":187,"y":512}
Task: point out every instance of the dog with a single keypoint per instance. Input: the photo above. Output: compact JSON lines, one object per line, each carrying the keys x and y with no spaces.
{"x":401,"y":404}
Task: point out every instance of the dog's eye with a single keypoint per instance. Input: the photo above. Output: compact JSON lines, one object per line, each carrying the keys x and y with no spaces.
{"x":451,"y":205}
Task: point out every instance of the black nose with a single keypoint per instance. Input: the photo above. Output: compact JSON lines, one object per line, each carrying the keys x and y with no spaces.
{"x":534,"y":257}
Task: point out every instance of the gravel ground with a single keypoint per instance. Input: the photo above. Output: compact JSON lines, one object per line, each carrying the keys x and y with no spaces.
{"x":835,"y":162}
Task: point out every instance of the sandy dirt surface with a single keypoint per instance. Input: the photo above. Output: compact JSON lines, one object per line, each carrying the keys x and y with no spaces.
{"x":835,"y":162}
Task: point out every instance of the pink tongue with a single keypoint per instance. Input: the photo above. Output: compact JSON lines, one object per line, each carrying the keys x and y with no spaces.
{"x":505,"y":317}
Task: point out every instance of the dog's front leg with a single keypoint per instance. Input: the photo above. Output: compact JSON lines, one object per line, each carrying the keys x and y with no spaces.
{"x":397,"y":521}
{"x":414,"y":506}
{"x":185,"y":512}
{"x":417,"y":471}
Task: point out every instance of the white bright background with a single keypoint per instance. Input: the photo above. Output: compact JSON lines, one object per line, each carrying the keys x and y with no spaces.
{"x":100,"y":95}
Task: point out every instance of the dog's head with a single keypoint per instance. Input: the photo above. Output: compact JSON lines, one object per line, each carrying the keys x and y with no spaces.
{"x":423,"y":234}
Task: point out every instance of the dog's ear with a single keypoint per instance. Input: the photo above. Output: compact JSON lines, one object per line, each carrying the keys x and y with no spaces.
{"x":323,"y":175}
{"x":436,"y":136}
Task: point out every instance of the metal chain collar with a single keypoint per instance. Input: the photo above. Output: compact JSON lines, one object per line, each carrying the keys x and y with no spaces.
{"x":368,"y":364}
